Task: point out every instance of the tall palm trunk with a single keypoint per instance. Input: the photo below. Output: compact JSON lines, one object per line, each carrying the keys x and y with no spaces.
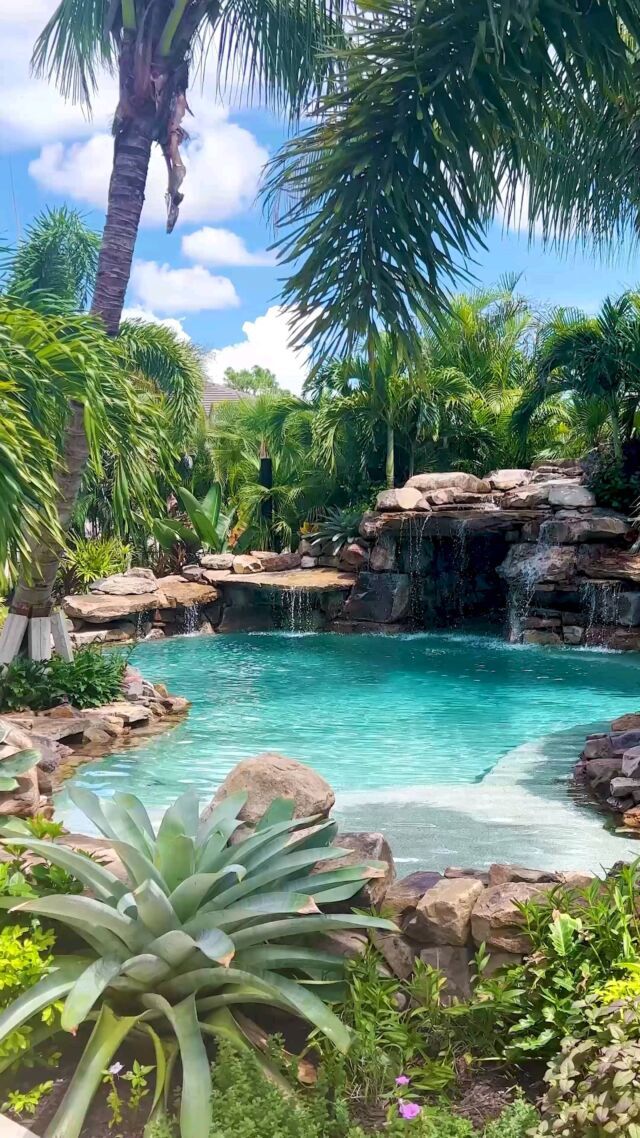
{"x":616,"y":438}
{"x":390,"y":465}
{"x":132,"y":152}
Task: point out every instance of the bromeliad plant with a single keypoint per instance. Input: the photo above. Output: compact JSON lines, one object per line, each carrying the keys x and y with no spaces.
{"x":200,"y":928}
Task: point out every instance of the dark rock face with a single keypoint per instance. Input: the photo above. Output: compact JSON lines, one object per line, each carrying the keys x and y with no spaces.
{"x":379,"y":597}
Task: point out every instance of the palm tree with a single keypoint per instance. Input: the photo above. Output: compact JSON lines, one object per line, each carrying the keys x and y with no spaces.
{"x":285,"y":428}
{"x":440,"y":119}
{"x":126,"y":404}
{"x":277,"y":50}
{"x":593,"y":359}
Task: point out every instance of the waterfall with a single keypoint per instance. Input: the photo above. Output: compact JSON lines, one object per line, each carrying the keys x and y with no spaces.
{"x":190,"y":619}
{"x":414,"y":567}
{"x":297,"y":610}
{"x":599,"y":600}
{"x":521,"y":592}
{"x":460,"y":565}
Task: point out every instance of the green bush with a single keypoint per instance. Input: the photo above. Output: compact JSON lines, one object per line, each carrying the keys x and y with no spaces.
{"x":90,"y":679}
{"x":91,"y":559}
{"x":594,"y":1084}
{"x":616,"y":482}
{"x":25,"y":959}
{"x":516,"y":1121}
{"x":202,"y":927}
{"x":580,"y":938}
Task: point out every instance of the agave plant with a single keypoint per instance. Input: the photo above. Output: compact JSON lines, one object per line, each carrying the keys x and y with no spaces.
{"x":209,"y":526}
{"x":17,"y":764}
{"x":200,"y":928}
{"x":339,"y":526}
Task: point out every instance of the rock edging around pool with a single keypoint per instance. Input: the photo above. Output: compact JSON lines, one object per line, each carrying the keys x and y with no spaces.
{"x":64,"y":736}
{"x":609,"y":767}
{"x":442,"y":918}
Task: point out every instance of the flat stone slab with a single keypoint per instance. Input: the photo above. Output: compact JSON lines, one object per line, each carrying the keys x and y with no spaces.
{"x":619,"y":566}
{"x":317,"y":580}
{"x":102,"y":608}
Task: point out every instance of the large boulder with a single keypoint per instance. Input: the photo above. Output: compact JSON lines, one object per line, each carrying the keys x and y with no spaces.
{"x":364,"y":849}
{"x":219,"y":561}
{"x":247,"y":563}
{"x":269,"y":776}
{"x":497,"y":921}
{"x":276,"y":562}
{"x":530,"y":564}
{"x":383,"y":598}
{"x":454,"y":479}
{"x":455,"y":963}
{"x":628,"y":608}
{"x":443,"y":915}
{"x":383,"y":555}
{"x":574,"y":529}
{"x":403,"y":498}
{"x":570,"y":494}
{"x":508,"y":479}
{"x":124,"y":585}
{"x":402,"y":897}
{"x":527,"y":498}
{"x":24,"y":800}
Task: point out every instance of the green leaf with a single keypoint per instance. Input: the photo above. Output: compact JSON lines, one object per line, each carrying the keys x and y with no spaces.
{"x":87,"y":990}
{"x":44,"y":993}
{"x":87,"y":913}
{"x":195,"y":1101}
{"x":19,"y":763}
{"x":154,"y":909}
{"x":266,"y":904}
{"x":212,"y":502}
{"x":280,"y":810}
{"x":305,"y":1003}
{"x":95,"y":877}
{"x":216,"y":945}
{"x":302,"y":926}
{"x":189,"y":895}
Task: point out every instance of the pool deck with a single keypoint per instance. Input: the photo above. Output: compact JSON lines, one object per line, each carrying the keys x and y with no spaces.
{"x":319,"y":580}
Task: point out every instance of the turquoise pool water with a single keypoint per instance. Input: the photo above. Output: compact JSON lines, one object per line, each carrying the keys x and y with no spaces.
{"x":411,"y":731}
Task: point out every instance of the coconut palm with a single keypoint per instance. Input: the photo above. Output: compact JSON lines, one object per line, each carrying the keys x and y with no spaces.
{"x":594,"y":359}
{"x":439,"y":120}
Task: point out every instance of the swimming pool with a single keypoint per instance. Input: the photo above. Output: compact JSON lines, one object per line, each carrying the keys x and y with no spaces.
{"x":458,"y":746}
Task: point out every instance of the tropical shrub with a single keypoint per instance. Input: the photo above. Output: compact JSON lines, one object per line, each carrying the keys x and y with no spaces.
{"x":91,"y":559}
{"x":392,"y":1034}
{"x":25,"y":961}
{"x":616,"y":481}
{"x":594,"y":1083}
{"x":200,"y":928}
{"x":90,"y":679}
{"x":208,"y":529}
{"x":580,"y":938}
{"x":339,"y":526}
{"x":22,"y":876}
{"x":516,"y":1121}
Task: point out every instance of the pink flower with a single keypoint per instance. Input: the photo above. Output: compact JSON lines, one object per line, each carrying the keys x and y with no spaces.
{"x":409,"y":1110}
{"x":402,"y":1081}
{"x":115,"y":1068}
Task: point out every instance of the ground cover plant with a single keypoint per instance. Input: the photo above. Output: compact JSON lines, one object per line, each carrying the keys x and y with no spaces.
{"x":90,"y":679}
{"x":201,"y":928}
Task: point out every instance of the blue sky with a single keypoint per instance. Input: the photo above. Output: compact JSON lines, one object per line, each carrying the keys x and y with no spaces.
{"x":213,"y":277}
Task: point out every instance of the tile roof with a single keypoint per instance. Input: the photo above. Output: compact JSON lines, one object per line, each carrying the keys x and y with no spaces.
{"x":217,"y":393}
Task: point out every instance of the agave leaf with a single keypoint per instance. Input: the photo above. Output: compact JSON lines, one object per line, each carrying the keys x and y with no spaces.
{"x":95,"y":877}
{"x":125,"y":828}
{"x":97,"y":916}
{"x":7,"y":784}
{"x":146,"y":968}
{"x":161,"y":1064}
{"x":211,"y":856}
{"x":181,"y":818}
{"x":19,"y":763}
{"x":47,"y":991}
{"x":90,"y":804}
{"x":154,"y":909}
{"x":175,"y":857}
{"x":286,"y":841}
{"x":189,"y":895}
{"x":302,"y":926}
{"x":216,"y":945}
{"x":226,"y":811}
{"x":258,"y":842}
{"x":267,"y":904}
{"x":311,"y":961}
{"x":195,"y":1101}
{"x":136,"y":811}
{"x":205,"y":979}
{"x":175,"y":947}
{"x":87,"y":989}
{"x":138,"y":866}
{"x":285,"y":865}
{"x":280,"y":810}
{"x":306,"y":1003}
{"x":108,"y":1034}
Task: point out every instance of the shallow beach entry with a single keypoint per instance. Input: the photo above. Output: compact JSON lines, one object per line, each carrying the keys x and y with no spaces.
{"x":458,"y":747}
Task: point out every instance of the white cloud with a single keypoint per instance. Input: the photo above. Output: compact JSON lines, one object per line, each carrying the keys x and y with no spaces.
{"x":137,"y":312}
{"x":223,"y":161}
{"x":159,"y":288}
{"x":222,"y":247}
{"x":266,"y":343}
